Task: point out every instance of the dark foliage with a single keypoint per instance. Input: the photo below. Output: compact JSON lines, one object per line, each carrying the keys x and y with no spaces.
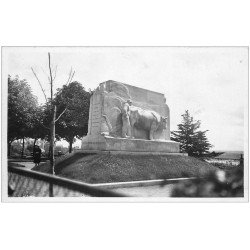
{"x":21,"y":108}
{"x":23,"y":112}
{"x":219,"y":184}
{"x":192,"y":140}
{"x":74,"y":100}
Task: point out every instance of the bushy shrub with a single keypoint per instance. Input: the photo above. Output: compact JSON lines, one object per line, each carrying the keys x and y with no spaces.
{"x":219,"y":184}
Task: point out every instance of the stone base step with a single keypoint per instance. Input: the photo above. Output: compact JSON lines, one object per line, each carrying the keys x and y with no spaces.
{"x":105,"y":143}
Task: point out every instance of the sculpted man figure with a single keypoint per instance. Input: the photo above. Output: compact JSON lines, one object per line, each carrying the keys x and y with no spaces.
{"x":126,"y":127}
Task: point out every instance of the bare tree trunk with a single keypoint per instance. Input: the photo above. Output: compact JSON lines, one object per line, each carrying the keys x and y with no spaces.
{"x":70,"y":146}
{"x":22,"y":149}
{"x":53,"y":118}
{"x":34,"y":142}
{"x":49,"y":152}
{"x":52,"y":132}
{"x":52,"y":155}
{"x":52,"y":141}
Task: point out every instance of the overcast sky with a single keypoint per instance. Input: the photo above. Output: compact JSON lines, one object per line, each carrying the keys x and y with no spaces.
{"x":211,"y":82}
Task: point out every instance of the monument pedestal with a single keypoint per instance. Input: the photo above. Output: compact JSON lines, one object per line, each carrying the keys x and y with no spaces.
{"x":148,"y":120}
{"x":106,"y":143}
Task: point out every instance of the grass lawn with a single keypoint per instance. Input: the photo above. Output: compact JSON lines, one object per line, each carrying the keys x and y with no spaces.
{"x":104,"y":168}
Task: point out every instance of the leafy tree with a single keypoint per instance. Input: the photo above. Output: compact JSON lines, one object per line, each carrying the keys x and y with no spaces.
{"x":73,"y":101}
{"x":38,"y":129}
{"x":192,"y":141}
{"x":22,"y":105}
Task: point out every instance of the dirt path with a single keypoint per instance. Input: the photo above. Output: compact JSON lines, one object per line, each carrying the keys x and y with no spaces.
{"x":149,"y":191}
{"x":24,"y":164}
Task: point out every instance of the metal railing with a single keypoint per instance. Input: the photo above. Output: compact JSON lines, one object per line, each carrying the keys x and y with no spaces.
{"x":23,"y":182}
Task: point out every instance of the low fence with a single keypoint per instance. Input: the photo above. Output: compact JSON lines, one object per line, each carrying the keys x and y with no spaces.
{"x":23,"y":182}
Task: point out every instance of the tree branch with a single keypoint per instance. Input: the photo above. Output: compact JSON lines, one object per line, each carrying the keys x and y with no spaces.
{"x":45,"y":127}
{"x":40,"y":85}
{"x":55,"y":73}
{"x":72,"y":77}
{"x":61,"y":114}
{"x":45,"y":73}
{"x":69,"y":76}
{"x":51,"y":79}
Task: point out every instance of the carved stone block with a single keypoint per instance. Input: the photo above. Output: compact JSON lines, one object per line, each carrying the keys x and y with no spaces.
{"x":127,"y":118}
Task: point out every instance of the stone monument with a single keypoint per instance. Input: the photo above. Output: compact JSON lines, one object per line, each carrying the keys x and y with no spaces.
{"x":126,"y":118}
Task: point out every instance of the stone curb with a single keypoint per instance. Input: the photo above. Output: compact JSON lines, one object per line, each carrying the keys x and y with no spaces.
{"x":127,"y":152}
{"x":142,"y":183}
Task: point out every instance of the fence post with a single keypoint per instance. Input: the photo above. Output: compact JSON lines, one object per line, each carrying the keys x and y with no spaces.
{"x":241,"y":160}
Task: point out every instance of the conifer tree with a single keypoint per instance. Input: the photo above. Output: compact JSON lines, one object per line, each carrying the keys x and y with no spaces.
{"x":192,"y":141}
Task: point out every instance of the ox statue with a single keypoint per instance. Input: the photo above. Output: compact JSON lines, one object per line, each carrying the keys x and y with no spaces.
{"x":147,"y":120}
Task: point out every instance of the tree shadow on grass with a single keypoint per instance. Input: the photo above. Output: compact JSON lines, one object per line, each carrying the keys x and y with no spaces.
{"x":70,"y":160}
{"x":61,"y":162}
